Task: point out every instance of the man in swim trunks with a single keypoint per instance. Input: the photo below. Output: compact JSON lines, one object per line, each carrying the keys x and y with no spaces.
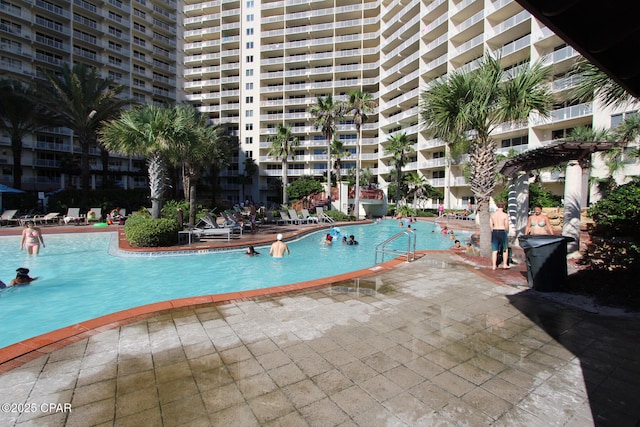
{"x":278,"y":248}
{"x":31,"y":239}
{"x":538,"y":224}
{"x":499,"y":221}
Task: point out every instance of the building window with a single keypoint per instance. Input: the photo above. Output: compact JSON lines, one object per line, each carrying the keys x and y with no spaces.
{"x":250,"y":17}
{"x":438,"y":174}
{"x":249,"y":99}
{"x":250,"y":4}
{"x":248,"y":126}
{"x":249,"y":45}
{"x":248,"y":140}
{"x":250,"y":58}
{"x":249,"y":31}
{"x":248,"y":113}
{"x":248,"y":86}
{"x":249,"y":72}
{"x":249,"y":154}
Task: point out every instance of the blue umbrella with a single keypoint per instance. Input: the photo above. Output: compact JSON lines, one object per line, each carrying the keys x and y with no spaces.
{"x":7,"y":189}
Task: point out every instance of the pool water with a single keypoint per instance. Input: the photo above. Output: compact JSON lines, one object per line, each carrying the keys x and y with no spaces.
{"x":80,"y":278}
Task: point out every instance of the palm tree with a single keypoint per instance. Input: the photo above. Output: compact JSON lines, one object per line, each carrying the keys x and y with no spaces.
{"x":595,"y":83}
{"x":250,"y":169}
{"x":399,"y":146}
{"x":79,"y":99}
{"x":338,"y":153}
{"x":470,"y":105}
{"x":282,"y":144}
{"x":145,"y":131}
{"x":419,"y":188}
{"x":360,"y":104}
{"x":20,"y":115}
{"x":327,"y":113}
{"x":195,"y":145}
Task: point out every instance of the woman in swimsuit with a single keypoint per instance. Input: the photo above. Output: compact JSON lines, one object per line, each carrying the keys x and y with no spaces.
{"x":31,"y":239}
{"x":538,"y":224}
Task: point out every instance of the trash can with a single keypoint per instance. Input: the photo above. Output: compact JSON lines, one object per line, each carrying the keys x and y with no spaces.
{"x":546,"y":258}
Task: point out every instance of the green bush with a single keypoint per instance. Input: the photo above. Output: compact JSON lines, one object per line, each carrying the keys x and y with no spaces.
{"x":143,"y":231}
{"x":618,"y":214}
{"x":303,"y":187}
{"x":339,"y":216}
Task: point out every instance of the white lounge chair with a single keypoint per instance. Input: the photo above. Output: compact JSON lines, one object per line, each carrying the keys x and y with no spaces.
{"x":287,"y":219}
{"x":73,"y":214}
{"x":208,"y":232}
{"x":97,"y":215}
{"x":8,"y":217}
{"x":323,"y":216}
{"x":307,"y":215}
{"x":50,"y":218}
{"x":294,"y":215}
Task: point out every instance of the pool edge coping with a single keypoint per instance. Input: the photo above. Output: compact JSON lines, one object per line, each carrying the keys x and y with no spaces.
{"x":20,"y":353}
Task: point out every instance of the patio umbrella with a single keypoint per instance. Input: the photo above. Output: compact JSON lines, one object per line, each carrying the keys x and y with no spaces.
{"x":6,"y":189}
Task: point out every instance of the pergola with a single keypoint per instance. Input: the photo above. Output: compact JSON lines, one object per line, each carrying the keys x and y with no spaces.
{"x":571,"y":152}
{"x":551,"y":155}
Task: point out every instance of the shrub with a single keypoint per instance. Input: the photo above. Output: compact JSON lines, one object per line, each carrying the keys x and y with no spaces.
{"x":618,"y":214}
{"x":303,"y":187}
{"x":143,"y":231}
{"x":339,"y":216}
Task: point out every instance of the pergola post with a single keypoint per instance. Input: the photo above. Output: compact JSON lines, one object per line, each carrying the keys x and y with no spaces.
{"x":572,"y":197}
{"x":519,"y":203}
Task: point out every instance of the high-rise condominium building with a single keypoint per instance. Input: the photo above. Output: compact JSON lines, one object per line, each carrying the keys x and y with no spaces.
{"x":255,"y":64}
{"x":135,"y":43}
{"x":252,"y":65}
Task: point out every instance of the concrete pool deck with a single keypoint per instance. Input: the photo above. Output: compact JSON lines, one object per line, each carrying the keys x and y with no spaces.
{"x":437,"y":341}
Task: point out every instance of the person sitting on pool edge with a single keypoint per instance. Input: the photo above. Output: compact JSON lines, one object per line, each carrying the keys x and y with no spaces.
{"x":278,"y":248}
{"x":22,"y":277}
{"x":251,"y":251}
{"x":352,"y":240}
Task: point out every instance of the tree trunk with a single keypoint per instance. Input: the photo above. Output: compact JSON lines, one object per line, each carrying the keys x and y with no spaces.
{"x":193,"y":182}
{"x":16,"y":146}
{"x":356,"y":202}
{"x":85,"y":170}
{"x":157,"y":182}
{"x":482,"y":165}
{"x":285,"y":180}
{"x":104,"y":157}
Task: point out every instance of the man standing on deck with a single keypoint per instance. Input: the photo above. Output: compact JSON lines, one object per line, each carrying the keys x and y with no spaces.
{"x":278,"y":248}
{"x":499,"y":234}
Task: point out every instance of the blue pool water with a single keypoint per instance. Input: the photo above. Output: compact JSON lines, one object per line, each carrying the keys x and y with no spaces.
{"x":83,"y":276}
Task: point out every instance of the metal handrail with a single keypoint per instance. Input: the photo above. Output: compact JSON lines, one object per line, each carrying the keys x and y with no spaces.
{"x":410,"y":253}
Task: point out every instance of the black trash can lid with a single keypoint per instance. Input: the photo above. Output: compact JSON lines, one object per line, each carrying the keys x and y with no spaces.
{"x":528,"y":242}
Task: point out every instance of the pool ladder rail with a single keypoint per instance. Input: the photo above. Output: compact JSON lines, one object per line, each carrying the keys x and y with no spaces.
{"x":410,"y":253}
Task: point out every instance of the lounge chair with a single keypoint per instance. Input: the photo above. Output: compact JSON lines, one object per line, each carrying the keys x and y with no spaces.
{"x":8,"y":217}
{"x":231,"y":222}
{"x":209,"y":222}
{"x":307,"y":215}
{"x":97,"y":215}
{"x":73,"y":214}
{"x":50,"y":218}
{"x":323,"y":216}
{"x":294,"y":215}
{"x":208,"y":232}
{"x":287,"y":219}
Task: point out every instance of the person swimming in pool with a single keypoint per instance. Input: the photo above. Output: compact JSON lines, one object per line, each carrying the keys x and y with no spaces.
{"x":538,"y":224}
{"x":22,"y":277}
{"x":278,"y":248}
{"x":31,"y":239}
{"x":251,"y":251}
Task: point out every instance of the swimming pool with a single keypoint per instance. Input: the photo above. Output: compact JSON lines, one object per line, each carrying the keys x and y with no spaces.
{"x":82,"y":277}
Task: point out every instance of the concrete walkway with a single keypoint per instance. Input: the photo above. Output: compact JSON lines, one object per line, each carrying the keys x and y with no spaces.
{"x":433,"y":342}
